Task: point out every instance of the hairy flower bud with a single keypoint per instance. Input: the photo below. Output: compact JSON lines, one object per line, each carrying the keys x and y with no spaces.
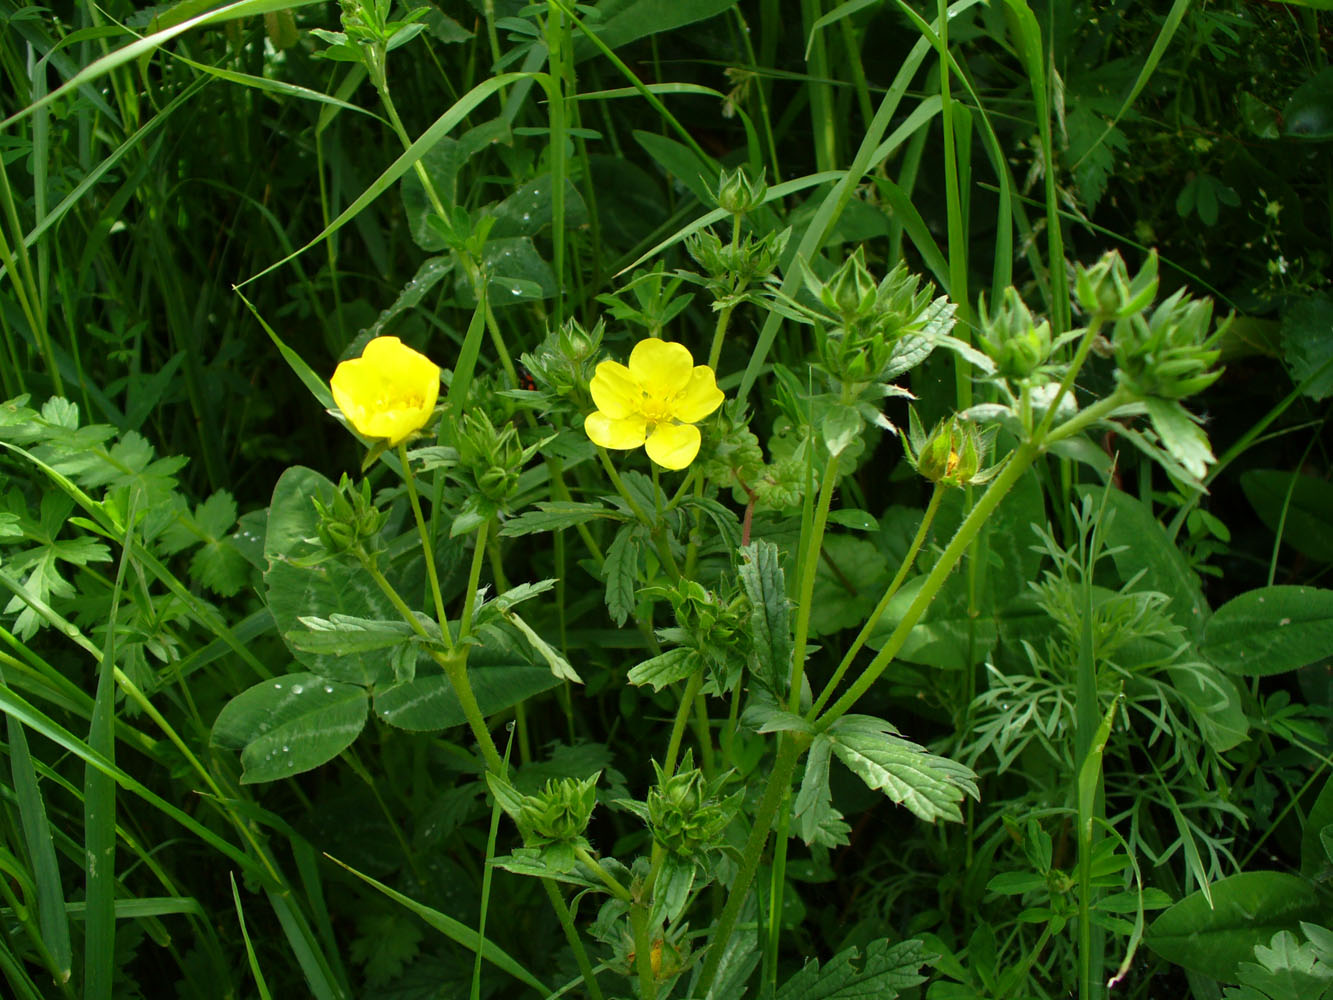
{"x":950,"y":454}
{"x":738,"y":194}
{"x":1013,"y":339}
{"x":1169,"y":355}
{"x":1106,"y":290}
{"x":350,"y":520}
{"x":684,"y":813}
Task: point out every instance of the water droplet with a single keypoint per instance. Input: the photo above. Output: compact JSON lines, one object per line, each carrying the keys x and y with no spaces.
{"x":297,"y":689}
{"x":527,"y":216}
{"x":278,"y":685}
{"x":286,"y":748}
{"x":328,"y":689}
{"x":516,"y":291}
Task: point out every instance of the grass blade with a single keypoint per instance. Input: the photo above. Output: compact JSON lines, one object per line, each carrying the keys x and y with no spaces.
{"x":455,"y":930}
{"x":260,"y":983}
{"x":51,"y":917}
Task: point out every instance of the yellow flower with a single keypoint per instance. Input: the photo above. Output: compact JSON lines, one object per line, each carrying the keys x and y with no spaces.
{"x":388,"y":392}
{"x":654,"y":402}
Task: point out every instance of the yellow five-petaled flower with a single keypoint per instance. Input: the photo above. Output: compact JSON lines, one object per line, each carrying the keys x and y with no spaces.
{"x":654,"y":402}
{"x":388,"y":392}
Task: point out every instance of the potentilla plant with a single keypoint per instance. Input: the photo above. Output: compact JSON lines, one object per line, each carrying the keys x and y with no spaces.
{"x":383,"y":605}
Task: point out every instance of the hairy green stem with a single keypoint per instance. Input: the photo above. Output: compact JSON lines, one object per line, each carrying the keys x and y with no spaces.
{"x":473,"y":581}
{"x":809,"y":567}
{"x":643,"y":949}
{"x":779,"y":782}
{"x":454,"y":662}
{"x":1018,"y":463}
{"x":609,"y":880}
{"x":678,"y":727}
{"x":572,"y":936}
{"x":427,"y":550}
{"x":868,"y":629}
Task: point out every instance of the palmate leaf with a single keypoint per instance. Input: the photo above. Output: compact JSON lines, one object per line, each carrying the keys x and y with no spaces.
{"x":1286,"y":967}
{"x":907,"y":773}
{"x":887,"y":969}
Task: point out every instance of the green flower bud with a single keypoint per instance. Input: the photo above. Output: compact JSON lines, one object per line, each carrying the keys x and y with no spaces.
{"x":900,"y":301}
{"x":560,"y":812}
{"x":950,"y":454}
{"x":557,"y":815}
{"x":1171,"y":355}
{"x":494,"y":457}
{"x":684,"y":812}
{"x":851,"y":292}
{"x":1013,"y":339}
{"x":350,"y":520}
{"x":738,"y":194}
{"x":1105,"y":290}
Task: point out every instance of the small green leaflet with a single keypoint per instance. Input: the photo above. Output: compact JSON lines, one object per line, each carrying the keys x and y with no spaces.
{"x":554,"y":516}
{"x":1181,"y":435}
{"x":816,"y":820}
{"x":907,"y":773}
{"x":770,"y":626}
{"x":291,"y":724}
{"x":621,"y":571}
{"x":887,"y":969}
{"x":672,"y":666}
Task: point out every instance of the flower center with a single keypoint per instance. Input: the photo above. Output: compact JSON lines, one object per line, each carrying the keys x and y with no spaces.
{"x":655,"y":409}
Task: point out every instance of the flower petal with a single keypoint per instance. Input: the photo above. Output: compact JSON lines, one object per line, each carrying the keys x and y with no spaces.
{"x":661,"y":368}
{"x":353,"y":384}
{"x":673,"y":446}
{"x":700,"y":397}
{"x":614,"y":390}
{"x":388,"y":392}
{"x":609,"y":432}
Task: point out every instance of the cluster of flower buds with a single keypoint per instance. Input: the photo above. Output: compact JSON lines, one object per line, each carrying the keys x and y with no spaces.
{"x":734,"y":267}
{"x":563,"y":363}
{"x":684,"y":811}
{"x":368,"y":35}
{"x":554,"y":819}
{"x":493,"y":457}
{"x":871,"y":317}
{"x":351,"y":521}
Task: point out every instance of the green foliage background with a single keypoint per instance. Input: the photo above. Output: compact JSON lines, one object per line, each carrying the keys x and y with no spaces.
{"x":195,"y":228}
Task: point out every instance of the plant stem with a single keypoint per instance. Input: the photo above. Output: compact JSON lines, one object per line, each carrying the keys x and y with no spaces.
{"x":682,"y":715}
{"x":427,"y":549}
{"x":809,"y":568}
{"x":453,"y":662}
{"x":643,"y":951}
{"x":473,"y":581}
{"x":572,"y":936}
{"x":1018,"y":463}
{"x":921,"y":532}
{"x":778,"y":784}
{"x":609,"y":880}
